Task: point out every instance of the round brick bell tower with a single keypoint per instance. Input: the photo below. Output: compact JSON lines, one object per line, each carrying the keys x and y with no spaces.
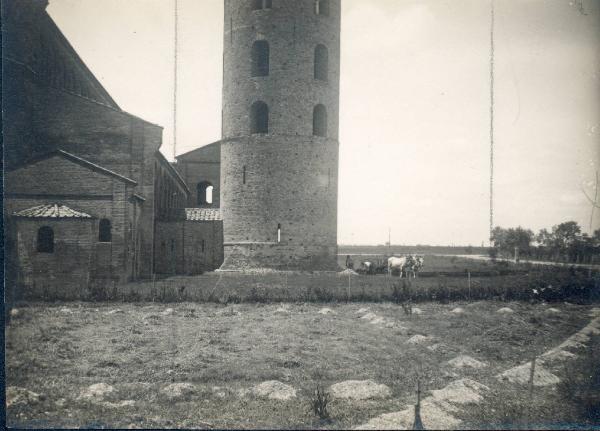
{"x":279,"y":153}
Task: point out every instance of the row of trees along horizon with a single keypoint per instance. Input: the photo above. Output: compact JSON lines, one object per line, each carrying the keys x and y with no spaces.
{"x":564,"y":243}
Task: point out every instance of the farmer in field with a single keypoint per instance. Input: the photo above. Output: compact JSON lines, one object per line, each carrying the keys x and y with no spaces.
{"x":349,"y":262}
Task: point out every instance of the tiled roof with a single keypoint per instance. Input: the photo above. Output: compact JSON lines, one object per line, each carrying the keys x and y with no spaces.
{"x":51,"y":211}
{"x":203,"y":214}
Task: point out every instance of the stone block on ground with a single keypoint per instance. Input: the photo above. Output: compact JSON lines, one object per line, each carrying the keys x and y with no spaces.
{"x":464,"y":361}
{"x":418,"y":339}
{"x":463,"y":391}
{"x":16,"y":395}
{"x":360,"y":390}
{"x":178,"y":391}
{"x":505,"y":310}
{"x":326,"y":311}
{"x":521,"y":375}
{"x":274,"y":390}
{"x":96,"y":392}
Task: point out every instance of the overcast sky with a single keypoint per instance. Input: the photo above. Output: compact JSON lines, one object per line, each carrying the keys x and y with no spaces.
{"x":415,"y":104}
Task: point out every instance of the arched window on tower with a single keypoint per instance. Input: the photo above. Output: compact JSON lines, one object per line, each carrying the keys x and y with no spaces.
{"x":204,"y":193}
{"x":261,"y":4}
{"x":45,"y":240}
{"x":320,"y":121}
{"x":260,"y":58}
{"x":322,"y":7}
{"x":259,"y":118}
{"x":104,"y":231}
{"x":321,"y":63}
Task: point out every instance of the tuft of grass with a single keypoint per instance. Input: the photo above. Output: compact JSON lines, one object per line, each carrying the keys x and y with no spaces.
{"x":319,"y":402}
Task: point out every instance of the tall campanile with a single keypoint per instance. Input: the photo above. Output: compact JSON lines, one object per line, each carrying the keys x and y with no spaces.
{"x":279,"y":153}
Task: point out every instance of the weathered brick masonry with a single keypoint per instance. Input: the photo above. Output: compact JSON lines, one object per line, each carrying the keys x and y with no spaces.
{"x":286,"y":179}
{"x":52,"y":101}
{"x":110,"y":168}
{"x":64,"y":273}
{"x":79,"y":257}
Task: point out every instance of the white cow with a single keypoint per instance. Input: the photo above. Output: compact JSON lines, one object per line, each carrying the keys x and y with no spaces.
{"x":406,"y":264}
{"x":397,"y":263}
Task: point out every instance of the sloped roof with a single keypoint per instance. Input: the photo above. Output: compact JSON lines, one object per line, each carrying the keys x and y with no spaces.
{"x":51,"y":211}
{"x":207,"y":150}
{"x":163,"y":160}
{"x":203,"y":214}
{"x":82,"y":162}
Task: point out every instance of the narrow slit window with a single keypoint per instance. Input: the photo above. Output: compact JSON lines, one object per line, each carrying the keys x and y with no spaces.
{"x":104,"y":231}
{"x":203,"y":245}
{"x":279,"y":233}
{"x":259,"y":118}
{"x":260,"y":58}
{"x":322,"y":7}
{"x":261,"y":4}
{"x":45,"y":240}
{"x":244,"y":175}
{"x":320,"y":121}
{"x":321,"y":63}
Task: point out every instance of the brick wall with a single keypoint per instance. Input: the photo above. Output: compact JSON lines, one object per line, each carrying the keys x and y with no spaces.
{"x":53,"y":101}
{"x":64,"y":273}
{"x":291,"y":176}
{"x":293,"y":31}
{"x":301,"y":198}
{"x":189,"y":247}
{"x":203,"y":246}
{"x":100,"y":134}
{"x":58,"y":180}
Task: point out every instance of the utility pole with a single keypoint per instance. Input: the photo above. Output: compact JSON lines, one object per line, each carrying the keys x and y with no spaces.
{"x":390,"y":241}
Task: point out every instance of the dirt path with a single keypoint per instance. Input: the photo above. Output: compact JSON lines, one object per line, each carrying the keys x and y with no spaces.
{"x":441,"y":410}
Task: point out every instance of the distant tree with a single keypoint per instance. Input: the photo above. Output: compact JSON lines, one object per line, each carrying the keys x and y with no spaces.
{"x":520,"y":238}
{"x":564,"y":242}
{"x":545,"y":244}
{"x":506,"y":240}
{"x":565,"y":237}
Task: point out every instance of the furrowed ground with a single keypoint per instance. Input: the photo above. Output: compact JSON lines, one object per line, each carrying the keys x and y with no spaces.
{"x":59,"y":350}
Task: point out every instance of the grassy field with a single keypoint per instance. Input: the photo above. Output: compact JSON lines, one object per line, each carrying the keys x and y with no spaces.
{"x":59,"y":350}
{"x":442,"y":279}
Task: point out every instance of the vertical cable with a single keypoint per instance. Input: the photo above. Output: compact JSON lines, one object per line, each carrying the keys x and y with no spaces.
{"x":176,"y":19}
{"x":492,"y":59}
